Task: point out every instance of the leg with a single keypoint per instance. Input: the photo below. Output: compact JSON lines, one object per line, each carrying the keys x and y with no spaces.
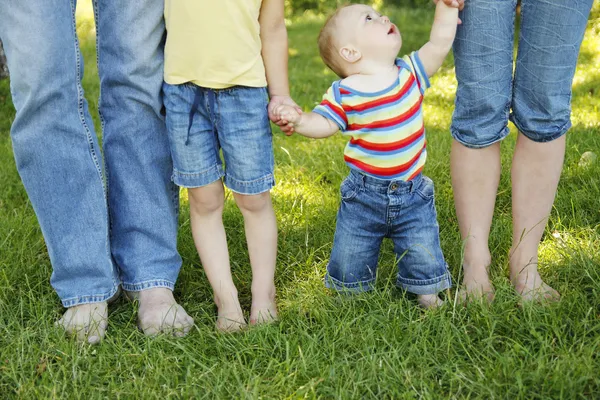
{"x":143,"y":202}
{"x":541,"y":110}
{"x":206,"y":217}
{"x":415,"y":232}
{"x":58,"y":157}
{"x":483,"y":54}
{"x":261,"y":233}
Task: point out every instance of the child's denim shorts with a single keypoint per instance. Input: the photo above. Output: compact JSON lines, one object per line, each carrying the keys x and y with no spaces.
{"x":538,"y":92}
{"x":234,"y":120}
{"x":372,"y":209}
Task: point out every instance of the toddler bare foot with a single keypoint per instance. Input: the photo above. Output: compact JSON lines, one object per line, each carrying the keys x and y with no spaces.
{"x":429,"y":301}
{"x":476,"y":285}
{"x":531,"y":287}
{"x":160,"y":313}
{"x":230,"y":317}
{"x":86,"y":322}
{"x":263,"y":313}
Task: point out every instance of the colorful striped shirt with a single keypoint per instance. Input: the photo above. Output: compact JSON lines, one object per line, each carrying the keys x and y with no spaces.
{"x":387,"y":134}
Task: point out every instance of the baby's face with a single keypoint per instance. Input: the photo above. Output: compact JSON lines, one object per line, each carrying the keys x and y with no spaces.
{"x":372,"y":33}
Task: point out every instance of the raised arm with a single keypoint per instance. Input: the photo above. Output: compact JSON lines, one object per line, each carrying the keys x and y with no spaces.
{"x":443,"y":30}
{"x":309,"y":124}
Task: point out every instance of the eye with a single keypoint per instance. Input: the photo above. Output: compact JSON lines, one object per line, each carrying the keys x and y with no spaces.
{"x":369,"y":18}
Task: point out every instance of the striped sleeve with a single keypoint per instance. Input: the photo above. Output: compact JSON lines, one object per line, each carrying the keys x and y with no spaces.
{"x":418,"y":70}
{"x":331,"y":107}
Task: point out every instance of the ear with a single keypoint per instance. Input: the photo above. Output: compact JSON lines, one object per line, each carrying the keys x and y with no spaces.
{"x":350,"y":54}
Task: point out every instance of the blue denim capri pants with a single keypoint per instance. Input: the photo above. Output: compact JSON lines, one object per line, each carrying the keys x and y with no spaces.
{"x":536,"y":97}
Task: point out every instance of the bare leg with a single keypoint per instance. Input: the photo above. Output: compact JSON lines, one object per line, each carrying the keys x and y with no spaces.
{"x":475,"y":178}
{"x":206,"y":215}
{"x":536,"y":171}
{"x":261,"y":233}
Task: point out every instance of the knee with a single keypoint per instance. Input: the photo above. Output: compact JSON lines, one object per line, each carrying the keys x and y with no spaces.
{"x":251,"y":204}
{"x":206,"y":200}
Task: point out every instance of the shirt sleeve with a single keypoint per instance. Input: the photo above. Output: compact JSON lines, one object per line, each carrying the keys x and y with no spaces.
{"x":414,"y":63}
{"x":331,"y":107}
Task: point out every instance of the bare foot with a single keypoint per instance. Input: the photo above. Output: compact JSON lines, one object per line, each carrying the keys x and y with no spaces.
{"x":86,"y":322}
{"x":230,"y":317}
{"x":429,"y":301}
{"x":160,"y":313}
{"x":530,"y":286}
{"x":476,"y":284}
{"x":264,"y":313}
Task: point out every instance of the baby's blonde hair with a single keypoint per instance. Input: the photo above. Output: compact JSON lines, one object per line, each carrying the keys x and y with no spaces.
{"x":328,"y":46}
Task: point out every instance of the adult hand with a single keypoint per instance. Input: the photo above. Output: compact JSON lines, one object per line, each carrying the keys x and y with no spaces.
{"x":277,"y":101}
{"x":460,"y":4}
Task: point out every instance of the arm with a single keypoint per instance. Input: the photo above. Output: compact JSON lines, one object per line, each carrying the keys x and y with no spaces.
{"x":432,"y":54}
{"x":309,"y":124}
{"x":273,"y":35}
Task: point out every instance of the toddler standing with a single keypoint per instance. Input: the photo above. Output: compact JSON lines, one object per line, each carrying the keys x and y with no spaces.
{"x":219,"y":58}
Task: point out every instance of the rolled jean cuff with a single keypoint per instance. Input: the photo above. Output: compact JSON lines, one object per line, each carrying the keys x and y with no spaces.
{"x":541,"y":137}
{"x":349,"y":287}
{"x":256,"y":186}
{"x":429,"y":286}
{"x":156,"y":283}
{"x":199,"y":179}
{"x":479,"y":144}
{"x":95,"y":298}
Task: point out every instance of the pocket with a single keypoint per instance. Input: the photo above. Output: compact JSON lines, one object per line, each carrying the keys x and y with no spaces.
{"x":425,"y":188}
{"x":348,"y":190}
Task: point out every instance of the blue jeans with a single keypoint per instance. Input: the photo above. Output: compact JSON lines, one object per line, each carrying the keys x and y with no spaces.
{"x":373,"y":209}
{"x":107,"y":217}
{"x":539,"y":92}
{"x":201,"y":122}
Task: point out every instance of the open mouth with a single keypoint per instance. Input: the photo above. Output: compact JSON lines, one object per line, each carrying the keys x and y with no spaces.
{"x":392,"y":30}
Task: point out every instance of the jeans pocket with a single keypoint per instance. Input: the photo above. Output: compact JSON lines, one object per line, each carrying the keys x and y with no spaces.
{"x":348,"y":190}
{"x":425,"y":188}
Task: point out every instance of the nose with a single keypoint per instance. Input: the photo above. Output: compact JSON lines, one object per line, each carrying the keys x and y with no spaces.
{"x":384,"y":19}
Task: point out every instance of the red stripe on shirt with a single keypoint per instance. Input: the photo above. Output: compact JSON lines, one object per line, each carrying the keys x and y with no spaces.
{"x":383,"y":171}
{"x":335,"y":109}
{"x":407,"y":141}
{"x":384,"y":100}
{"x":391,"y":121}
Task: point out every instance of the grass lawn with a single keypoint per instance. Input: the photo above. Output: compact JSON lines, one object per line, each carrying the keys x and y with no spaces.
{"x":376,"y":345}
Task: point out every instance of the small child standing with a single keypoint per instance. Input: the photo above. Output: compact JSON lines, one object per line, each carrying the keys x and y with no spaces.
{"x":378,"y":104}
{"x":219,"y":58}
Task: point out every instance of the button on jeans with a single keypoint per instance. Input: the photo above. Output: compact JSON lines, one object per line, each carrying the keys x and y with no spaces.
{"x":106,"y":219}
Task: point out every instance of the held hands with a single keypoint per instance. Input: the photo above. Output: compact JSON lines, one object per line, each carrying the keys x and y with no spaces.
{"x":282,"y":103}
{"x":288,"y":117}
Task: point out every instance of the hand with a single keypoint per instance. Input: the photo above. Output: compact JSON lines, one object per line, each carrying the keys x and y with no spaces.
{"x":277,"y":101}
{"x":460,"y":4}
{"x":289,"y":117}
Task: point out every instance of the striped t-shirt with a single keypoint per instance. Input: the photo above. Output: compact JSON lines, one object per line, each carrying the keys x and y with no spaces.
{"x":387,"y":134}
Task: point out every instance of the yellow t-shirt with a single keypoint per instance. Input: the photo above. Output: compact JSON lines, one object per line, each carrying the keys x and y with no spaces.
{"x":214,"y":43}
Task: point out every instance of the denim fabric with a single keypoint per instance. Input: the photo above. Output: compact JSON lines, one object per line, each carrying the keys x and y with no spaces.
{"x":234,"y":120}
{"x":107,"y":217}
{"x":539,"y":93}
{"x":372,"y":209}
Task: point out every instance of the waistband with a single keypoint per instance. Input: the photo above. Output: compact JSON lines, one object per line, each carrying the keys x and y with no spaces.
{"x":384,"y":185}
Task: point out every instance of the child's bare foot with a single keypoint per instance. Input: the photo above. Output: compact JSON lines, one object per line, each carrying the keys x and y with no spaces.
{"x":263,"y":313}
{"x":86,"y":322}
{"x":160,"y":313}
{"x":429,"y":301}
{"x":530,"y":286}
{"x":476,"y":284}
{"x":230,"y":317}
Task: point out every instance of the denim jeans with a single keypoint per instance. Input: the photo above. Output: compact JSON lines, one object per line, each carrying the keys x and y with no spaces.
{"x":539,"y":91}
{"x":403,"y":211}
{"x":201,"y":122}
{"x":107,"y":218}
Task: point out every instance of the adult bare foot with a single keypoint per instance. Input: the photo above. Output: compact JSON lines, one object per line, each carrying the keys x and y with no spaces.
{"x":230,"y":317}
{"x":86,"y":322}
{"x":529,"y":285}
{"x":429,"y":301}
{"x":160,"y":313}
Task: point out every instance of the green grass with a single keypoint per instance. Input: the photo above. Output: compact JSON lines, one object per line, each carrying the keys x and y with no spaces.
{"x":377,"y":345}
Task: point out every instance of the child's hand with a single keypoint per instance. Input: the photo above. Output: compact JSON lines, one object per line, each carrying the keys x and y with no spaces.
{"x":289,"y":117}
{"x":277,"y":101}
{"x":460,"y":4}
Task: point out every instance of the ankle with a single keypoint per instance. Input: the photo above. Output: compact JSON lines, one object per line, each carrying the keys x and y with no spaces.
{"x":263,"y":293}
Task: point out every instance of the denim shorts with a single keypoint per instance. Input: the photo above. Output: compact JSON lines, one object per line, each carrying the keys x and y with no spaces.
{"x":234,"y":120}
{"x":404,"y":211}
{"x":537,"y":97}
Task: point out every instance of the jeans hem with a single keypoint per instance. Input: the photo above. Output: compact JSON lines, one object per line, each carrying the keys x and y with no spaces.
{"x":95,"y":298}
{"x":349,"y":288}
{"x":256,"y":186}
{"x":199,"y":179}
{"x":155,"y":283}
{"x":536,"y":136}
{"x":456,"y":136}
{"x":429,"y":286}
